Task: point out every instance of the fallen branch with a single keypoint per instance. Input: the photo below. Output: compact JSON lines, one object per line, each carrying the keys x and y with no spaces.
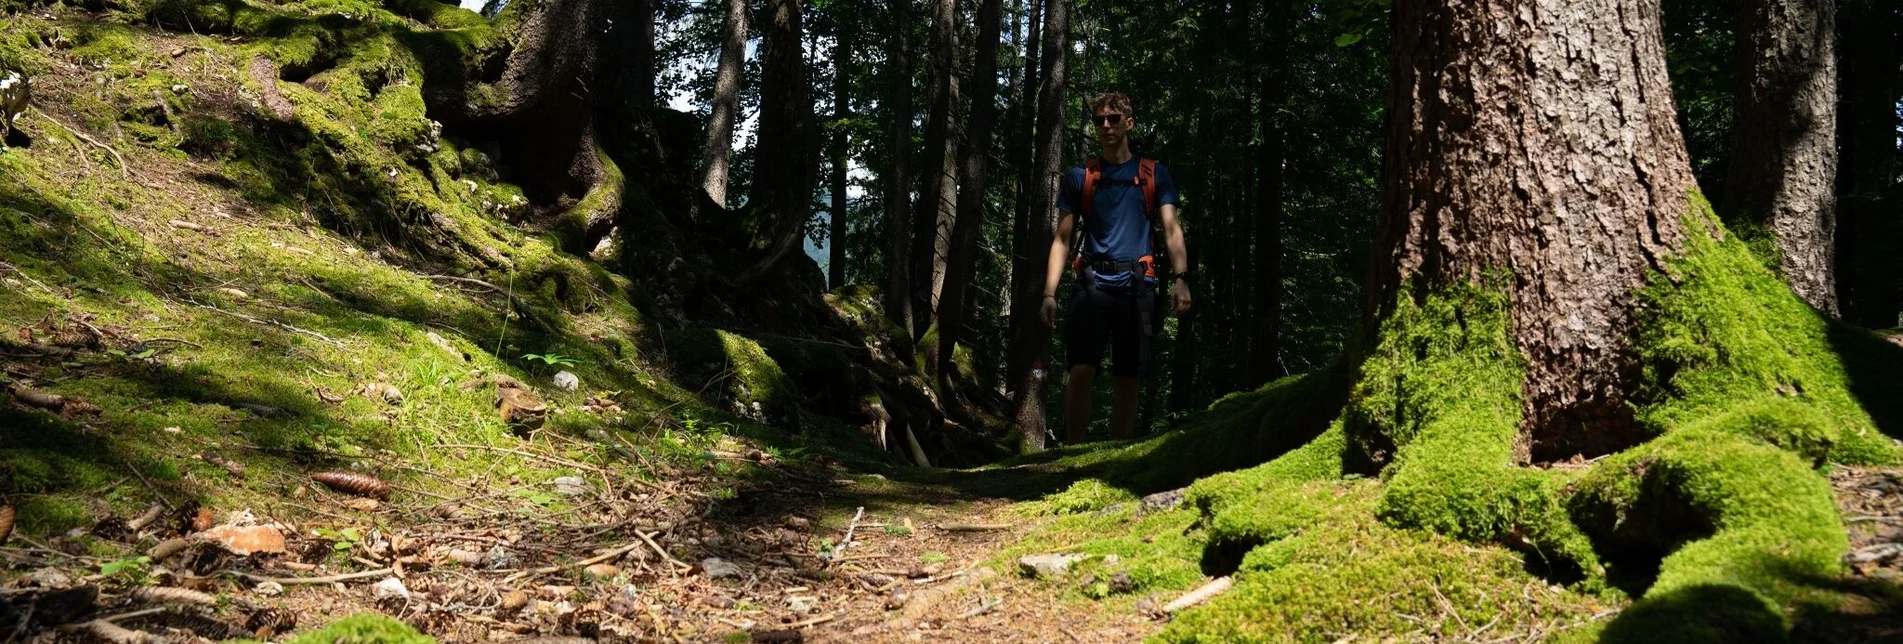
{"x":850,"y":527}
{"x":983,"y":607}
{"x":617,"y":552}
{"x":291,"y":581}
{"x":973,"y":527}
{"x":1200,"y":595}
{"x":1878,"y":519}
{"x":649,"y":537}
{"x":124,"y":170}
{"x":302,"y":331}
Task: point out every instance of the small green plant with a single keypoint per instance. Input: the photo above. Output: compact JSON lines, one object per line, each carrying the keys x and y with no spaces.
{"x":898,"y":530}
{"x":341,"y":540}
{"x":934,"y":556}
{"x":140,"y":355}
{"x":134,"y":570}
{"x":551,"y":359}
{"x":739,"y":637}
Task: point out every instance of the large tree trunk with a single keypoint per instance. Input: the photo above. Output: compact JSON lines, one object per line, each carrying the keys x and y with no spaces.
{"x":788,"y":142}
{"x":544,"y":116}
{"x":898,"y":199}
{"x":1870,"y":230}
{"x":1265,"y":362}
{"x":961,"y":262}
{"x":939,"y":171}
{"x":717,"y":154}
{"x":1512,"y":151}
{"x":1027,"y":329}
{"x":836,"y":241}
{"x":1783,"y":148}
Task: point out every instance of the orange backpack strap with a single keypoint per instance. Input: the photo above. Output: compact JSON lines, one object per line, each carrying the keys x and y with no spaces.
{"x":1146,"y":176}
{"x":1093,"y":174}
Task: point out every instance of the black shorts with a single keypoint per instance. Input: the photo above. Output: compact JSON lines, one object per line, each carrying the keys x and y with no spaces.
{"x":1119,"y":318}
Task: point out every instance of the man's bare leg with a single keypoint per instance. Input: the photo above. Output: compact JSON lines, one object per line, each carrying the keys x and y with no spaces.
{"x":1123,"y":410}
{"x":1077,"y":402}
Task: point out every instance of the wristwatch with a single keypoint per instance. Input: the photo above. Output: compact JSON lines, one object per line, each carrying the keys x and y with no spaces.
{"x":1185,"y":276}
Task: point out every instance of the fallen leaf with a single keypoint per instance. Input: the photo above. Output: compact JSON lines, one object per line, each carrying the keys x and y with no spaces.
{"x":246,"y":540}
{"x":363,"y":504}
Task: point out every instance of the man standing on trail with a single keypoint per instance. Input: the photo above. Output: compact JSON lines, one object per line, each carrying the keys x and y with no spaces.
{"x":1121,"y":199}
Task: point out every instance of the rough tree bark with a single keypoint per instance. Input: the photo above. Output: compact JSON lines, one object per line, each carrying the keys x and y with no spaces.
{"x":1539,"y":143}
{"x":961,"y":262}
{"x":939,"y":169}
{"x":541,"y":110}
{"x":1265,"y":362}
{"x":718,"y":152}
{"x":788,"y":143}
{"x":1783,"y":147}
{"x":898,"y":199}
{"x":1870,"y":231}
{"x":1028,"y":331}
{"x":836,"y":241}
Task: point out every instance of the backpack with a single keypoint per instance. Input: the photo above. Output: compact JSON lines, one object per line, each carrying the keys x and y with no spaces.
{"x":1146,"y":179}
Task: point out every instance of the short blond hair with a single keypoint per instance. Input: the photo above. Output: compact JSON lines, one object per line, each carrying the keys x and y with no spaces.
{"x":1113,"y":100}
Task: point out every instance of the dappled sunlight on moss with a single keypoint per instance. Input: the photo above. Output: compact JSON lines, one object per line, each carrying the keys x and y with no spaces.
{"x":1719,"y":330}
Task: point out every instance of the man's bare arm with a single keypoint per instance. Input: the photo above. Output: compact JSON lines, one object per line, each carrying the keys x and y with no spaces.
{"x":1173,"y":239}
{"x":1060,"y":251}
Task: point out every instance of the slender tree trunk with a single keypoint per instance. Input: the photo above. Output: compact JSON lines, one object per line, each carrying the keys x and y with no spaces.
{"x":1783,"y":148}
{"x":788,"y":141}
{"x":643,"y":62}
{"x":1026,"y":326}
{"x":1027,"y":247}
{"x":961,"y":264}
{"x":898,"y":199}
{"x":1265,"y":363}
{"x":836,"y":241}
{"x":717,"y":154}
{"x":1513,"y":152}
{"x":1870,"y":231}
{"x":938,"y":169}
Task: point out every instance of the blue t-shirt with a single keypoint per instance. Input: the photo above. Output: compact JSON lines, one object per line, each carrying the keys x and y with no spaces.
{"x":1117,"y":229}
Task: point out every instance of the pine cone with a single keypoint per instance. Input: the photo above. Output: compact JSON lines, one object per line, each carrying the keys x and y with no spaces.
{"x":353,"y":483}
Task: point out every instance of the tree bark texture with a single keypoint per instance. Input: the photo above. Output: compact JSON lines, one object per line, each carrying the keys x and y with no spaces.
{"x":898,"y":197}
{"x":961,"y":262}
{"x":1870,"y":229}
{"x":836,"y":240}
{"x":1265,"y":363}
{"x":1783,"y":147}
{"x":1028,"y":330}
{"x":717,"y":154}
{"x":788,"y":148}
{"x":541,"y":110}
{"x":938,"y":169}
{"x":1533,"y":145}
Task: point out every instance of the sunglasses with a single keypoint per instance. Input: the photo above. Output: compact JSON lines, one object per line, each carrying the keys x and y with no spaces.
{"x":1108,"y":120}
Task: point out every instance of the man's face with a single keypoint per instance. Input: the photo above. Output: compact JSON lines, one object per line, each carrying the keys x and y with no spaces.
{"x":1112,"y":126}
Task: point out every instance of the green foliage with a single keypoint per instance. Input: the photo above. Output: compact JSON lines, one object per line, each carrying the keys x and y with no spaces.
{"x":738,"y":367}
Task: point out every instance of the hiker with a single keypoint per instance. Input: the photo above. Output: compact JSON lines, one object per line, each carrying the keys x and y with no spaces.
{"x":1121,"y":200}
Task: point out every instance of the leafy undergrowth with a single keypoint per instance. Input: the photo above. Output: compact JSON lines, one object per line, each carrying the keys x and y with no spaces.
{"x":1720,"y":528}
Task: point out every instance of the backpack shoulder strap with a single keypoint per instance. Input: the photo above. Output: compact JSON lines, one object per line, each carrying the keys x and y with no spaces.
{"x":1146,"y":176}
{"x":1093,"y":174}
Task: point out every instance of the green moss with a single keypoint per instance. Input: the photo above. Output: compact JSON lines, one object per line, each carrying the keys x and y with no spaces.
{"x":364,"y":629}
{"x":1160,"y":552}
{"x":1443,"y":388}
{"x":738,"y":366}
{"x":1719,"y":331}
{"x":1348,"y":573}
{"x":102,"y":42}
{"x":1748,"y":527}
{"x":572,"y":227}
{"x":1088,"y":495}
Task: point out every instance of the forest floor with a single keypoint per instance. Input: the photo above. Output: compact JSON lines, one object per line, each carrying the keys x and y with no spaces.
{"x":186,"y":344}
